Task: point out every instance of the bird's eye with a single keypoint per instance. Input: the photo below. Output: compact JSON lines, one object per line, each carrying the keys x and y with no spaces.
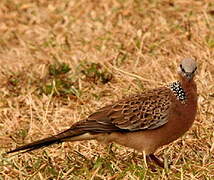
{"x":194,"y":69}
{"x":182,"y":69}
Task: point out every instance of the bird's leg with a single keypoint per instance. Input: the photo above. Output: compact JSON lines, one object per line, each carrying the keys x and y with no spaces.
{"x":150,"y":161}
{"x":109,"y":148}
{"x":150,"y":164}
{"x":156,"y":160}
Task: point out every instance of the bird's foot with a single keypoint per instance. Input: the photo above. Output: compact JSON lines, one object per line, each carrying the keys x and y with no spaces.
{"x":154,"y":160}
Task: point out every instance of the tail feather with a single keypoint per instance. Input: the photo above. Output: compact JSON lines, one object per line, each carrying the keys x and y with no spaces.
{"x":73,"y":134}
{"x":59,"y":138}
{"x":36,"y":145}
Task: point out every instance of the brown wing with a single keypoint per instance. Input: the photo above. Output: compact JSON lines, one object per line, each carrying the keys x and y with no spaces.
{"x":146,"y":111}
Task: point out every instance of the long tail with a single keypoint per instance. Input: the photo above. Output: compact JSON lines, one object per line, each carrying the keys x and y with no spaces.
{"x":59,"y":138}
{"x":82,"y":130}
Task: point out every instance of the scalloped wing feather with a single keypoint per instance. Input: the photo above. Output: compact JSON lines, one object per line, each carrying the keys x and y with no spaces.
{"x":143,"y":111}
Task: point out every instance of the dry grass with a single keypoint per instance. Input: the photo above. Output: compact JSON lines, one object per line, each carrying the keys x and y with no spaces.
{"x":139,"y":42}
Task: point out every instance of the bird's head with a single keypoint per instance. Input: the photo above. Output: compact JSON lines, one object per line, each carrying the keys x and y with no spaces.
{"x":187,"y":68}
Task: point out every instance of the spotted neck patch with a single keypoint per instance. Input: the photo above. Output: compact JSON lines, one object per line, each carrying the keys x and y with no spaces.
{"x":178,"y":91}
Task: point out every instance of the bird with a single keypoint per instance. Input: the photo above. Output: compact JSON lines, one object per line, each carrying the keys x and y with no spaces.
{"x":145,"y":121}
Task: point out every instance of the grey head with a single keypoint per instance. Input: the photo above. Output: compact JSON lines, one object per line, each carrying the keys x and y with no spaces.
{"x":187,"y":68}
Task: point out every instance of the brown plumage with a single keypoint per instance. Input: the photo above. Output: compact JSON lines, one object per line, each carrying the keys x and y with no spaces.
{"x":144,"y":121}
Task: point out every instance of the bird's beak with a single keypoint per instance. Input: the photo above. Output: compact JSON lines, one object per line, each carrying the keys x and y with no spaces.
{"x":189,"y":75}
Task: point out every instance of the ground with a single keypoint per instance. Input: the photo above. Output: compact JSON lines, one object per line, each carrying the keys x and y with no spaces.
{"x":60,"y":60}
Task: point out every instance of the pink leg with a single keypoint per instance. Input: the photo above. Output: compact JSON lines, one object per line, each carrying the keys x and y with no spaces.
{"x":156,"y":160}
